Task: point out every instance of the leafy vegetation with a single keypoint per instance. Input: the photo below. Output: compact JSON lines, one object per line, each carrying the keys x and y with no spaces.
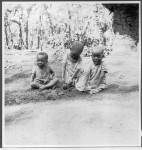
{"x":55,"y":24}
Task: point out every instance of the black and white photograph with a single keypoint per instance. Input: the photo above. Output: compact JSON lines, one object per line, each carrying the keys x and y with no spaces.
{"x":71,"y":74}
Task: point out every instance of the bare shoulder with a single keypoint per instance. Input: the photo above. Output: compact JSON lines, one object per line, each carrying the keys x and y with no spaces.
{"x":48,"y":67}
{"x":104,"y":66}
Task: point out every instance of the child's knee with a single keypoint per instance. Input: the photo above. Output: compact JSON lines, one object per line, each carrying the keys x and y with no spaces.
{"x":34,"y":85}
{"x":56,"y":80}
{"x":65,"y":86}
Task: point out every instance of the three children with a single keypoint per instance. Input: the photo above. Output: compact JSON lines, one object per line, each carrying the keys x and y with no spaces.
{"x":90,"y":77}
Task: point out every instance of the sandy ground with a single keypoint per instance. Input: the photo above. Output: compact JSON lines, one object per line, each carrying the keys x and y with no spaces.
{"x":109,"y":118}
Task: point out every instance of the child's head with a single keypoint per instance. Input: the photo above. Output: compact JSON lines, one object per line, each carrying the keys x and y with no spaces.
{"x":97,"y":54}
{"x":76,"y":50}
{"x":42,"y":59}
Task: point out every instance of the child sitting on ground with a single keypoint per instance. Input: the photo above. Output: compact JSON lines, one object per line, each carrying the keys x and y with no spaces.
{"x":97,"y":71}
{"x":42,"y":74}
{"x":73,"y":71}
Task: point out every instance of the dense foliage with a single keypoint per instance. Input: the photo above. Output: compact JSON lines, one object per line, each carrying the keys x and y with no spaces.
{"x":56,"y":24}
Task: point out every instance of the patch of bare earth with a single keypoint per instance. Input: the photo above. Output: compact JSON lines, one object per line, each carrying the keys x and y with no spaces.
{"x":70,"y":118}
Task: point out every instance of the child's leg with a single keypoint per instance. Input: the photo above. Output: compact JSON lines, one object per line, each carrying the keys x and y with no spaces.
{"x":98,"y":89}
{"x":36,"y":85}
{"x":82,"y":82}
{"x":68,"y":85}
{"x":49,"y":85}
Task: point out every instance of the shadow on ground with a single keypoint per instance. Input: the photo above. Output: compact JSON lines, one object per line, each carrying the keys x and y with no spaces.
{"x":26,"y":96}
{"x":115,"y":88}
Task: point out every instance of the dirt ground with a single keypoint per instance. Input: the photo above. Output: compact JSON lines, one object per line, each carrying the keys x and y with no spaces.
{"x":70,"y":118}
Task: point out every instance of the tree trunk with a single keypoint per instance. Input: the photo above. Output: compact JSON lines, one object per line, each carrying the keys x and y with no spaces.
{"x":51,"y":26}
{"x":103,"y":30}
{"x":39,"y":32}
{"x":20,"y":34}
{"x":69,"y":13}
{"x":50,"y":21}
{"x":10,"y":38}
{"x":5,"y":28}
{"x":38,"y":43}
{"x":62,"y":40}
{"x":6,"y":35}
{"x":27,"y":35}
{"x":31,"y":39}
{"x":87,"y":26}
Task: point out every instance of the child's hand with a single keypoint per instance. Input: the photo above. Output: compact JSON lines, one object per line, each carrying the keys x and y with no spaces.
{"x":63,"y":80}
{"x":94,"y":91}
{"x":51,"y":76}
{"x":94,"y":86}
{"x":71,"y":82}
{"x":43,"y":81}
{"x":46,"y":81}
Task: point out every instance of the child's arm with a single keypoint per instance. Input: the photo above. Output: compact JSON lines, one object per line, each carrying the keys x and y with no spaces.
{"x":52,"y":72}
{"x":74,"y":76}
{"x":96,"y":87}
{"x":63,"y":71}
{"x":33,"y":76}
{"x":102,"y":75}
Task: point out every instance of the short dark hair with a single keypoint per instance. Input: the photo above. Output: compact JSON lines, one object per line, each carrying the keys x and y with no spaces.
{"x":44,"y":54}
{"x":77,"y":45}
